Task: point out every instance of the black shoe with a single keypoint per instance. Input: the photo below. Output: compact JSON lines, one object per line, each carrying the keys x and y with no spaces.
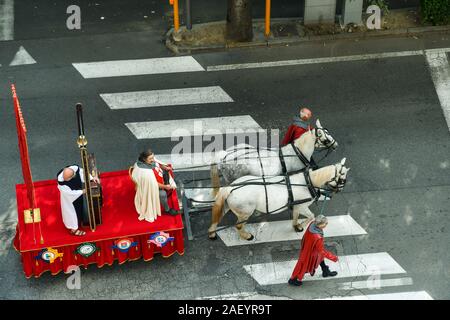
{"x":328,"y":273}
{"x":173,"y":212}
{"x":295,"y":282}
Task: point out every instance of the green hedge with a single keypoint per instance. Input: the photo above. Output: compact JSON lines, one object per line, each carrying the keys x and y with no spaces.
{"x":435,"y":11}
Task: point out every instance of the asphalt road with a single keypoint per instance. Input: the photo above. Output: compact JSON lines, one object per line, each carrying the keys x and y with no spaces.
{"x":385,"y":114}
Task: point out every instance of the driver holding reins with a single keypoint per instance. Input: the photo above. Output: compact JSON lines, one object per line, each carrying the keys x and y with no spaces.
{"x":300,"y":124}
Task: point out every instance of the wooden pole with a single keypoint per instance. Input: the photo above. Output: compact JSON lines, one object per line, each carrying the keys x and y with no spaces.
{"x":267,"y":29}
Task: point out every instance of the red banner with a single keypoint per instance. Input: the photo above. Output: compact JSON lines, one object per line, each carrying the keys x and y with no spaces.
{"x":23,"y":149}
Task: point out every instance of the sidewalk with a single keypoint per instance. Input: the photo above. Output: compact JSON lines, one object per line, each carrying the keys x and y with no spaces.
{"x":284,"y":32}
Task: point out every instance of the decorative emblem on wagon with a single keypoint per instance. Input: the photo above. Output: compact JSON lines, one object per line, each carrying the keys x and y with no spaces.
{"x":124,"y":244}
{"x":87,"y":249}
{"x":49,"y":255}
{"x":160,"y":239}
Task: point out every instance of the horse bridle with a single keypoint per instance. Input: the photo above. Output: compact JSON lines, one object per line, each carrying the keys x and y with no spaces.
{"x":328,"y":143}
{"x":338,"y":180}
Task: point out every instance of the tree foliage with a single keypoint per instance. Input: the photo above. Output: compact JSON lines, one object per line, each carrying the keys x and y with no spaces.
{"x":436,"y":12}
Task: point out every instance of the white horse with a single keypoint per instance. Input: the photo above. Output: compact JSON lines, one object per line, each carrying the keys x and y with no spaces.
{"x":243,"y":159}
{"x":243,"y":197}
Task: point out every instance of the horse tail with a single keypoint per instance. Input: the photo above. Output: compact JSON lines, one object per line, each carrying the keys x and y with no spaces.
{"x":215,"y":179}
{"x":218,"y":210}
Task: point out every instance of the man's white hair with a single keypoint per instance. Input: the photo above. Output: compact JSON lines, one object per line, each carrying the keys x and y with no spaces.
{"x":321,"y":219}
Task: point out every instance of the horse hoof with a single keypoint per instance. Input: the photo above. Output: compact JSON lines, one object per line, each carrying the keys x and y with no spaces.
{"x":297,"y":229}
{"x":213,"y":238}
{"x":251,"y":238}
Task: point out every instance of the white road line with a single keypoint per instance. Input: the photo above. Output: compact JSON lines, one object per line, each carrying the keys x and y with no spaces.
{"x":6,"y":20}
{"x":347,"y":266}
{"x":440,"y":73}
{"x":373,"y":284}
{"x":168,"y":97}
{"x":244,"y":296}
{"x":22,"y":57}
{"x":436,"y":50}
{"x":411,"y":295}
{"x":313,"y":61}
{"x":191,"y":127}
{"x":338,"y":226}
{"x":122,"y":68}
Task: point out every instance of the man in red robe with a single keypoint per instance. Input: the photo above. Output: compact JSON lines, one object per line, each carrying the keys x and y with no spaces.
{"x":299,"y":126}
{"x":313,"y":253}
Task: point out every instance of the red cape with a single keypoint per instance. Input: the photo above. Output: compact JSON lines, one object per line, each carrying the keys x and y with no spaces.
{"x":312,"y":253}
{"x":293,"y":132}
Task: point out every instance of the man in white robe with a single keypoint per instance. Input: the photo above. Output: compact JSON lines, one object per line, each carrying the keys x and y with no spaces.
{"x":151,"y":188}
{"x":70,"y":184}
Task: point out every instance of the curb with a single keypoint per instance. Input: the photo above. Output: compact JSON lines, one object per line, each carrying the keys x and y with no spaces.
{"x":180,"y":50}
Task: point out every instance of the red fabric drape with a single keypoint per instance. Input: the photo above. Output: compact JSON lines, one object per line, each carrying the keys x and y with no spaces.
{"x":105,"y":255}
{"x":23,"y":149}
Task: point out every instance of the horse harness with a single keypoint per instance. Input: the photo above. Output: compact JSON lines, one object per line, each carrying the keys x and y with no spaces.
{"x":314,"y":192}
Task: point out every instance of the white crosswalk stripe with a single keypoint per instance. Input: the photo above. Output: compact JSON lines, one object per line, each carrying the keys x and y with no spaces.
{"x":338,"y":226}
{"x":376,"y":283}
{"x":189,"y":161}
{"x":348,"y":266}
{"x":123,"y":68}
{"x":191,"y":127}
{"x":169,"y":97}
{"x":411,"y":295}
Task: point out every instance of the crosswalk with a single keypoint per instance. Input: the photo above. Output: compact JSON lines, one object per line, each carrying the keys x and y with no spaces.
{"x":355,"y":272}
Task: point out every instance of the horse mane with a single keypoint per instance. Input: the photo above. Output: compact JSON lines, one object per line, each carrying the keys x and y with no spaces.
{"x":321,"y":176}
{"x":307,"y":135}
